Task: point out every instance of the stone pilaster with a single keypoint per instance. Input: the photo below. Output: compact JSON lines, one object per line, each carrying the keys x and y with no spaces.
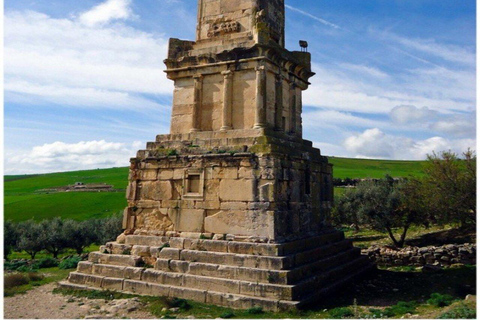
{"x":261,"y":96}
{"x":278,"y":102}
{"x":227,"y":100}
{"x":197,"y":102}
{"x":293,"y":108}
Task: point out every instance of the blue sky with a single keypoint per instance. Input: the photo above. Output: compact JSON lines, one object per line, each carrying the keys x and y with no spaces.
{"x":85,"y":88}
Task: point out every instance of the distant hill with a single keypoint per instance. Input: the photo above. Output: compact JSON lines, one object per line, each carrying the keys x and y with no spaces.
{"x":23,"y":201}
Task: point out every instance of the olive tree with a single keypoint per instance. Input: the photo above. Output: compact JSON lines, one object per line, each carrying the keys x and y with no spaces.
{"x":31,"y":237}
{"x":10,"y":238}
{"x":383,"y":205}
{"x":55,"y":240}
{"x":449,"y":187}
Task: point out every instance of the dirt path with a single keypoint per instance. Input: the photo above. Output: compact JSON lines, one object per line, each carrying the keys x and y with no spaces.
{"x":41,"y":303}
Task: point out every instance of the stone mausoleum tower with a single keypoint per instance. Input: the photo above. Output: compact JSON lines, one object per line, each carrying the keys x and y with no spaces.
{"x":230,"y":207}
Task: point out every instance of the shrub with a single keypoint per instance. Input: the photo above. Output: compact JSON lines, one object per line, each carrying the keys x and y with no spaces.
{"x":48,"y":262}
{"x":460,"y":312}
{"x":401,"y":308}
{"x":35,"y":276}
{"x":70,"y":263}
{"x":179,"y":303}
{"x":15,"y":280}
{"x":28,"y":268}
{"x":440,"y":300}
{"x":379,"y":313}
{"x":255,"y":310}
{"x":341,"y":313}
{"x":12,"y":266}
{"x":227,"y":315}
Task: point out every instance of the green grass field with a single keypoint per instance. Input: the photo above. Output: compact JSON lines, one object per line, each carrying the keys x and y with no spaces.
{"x":368,"y":168}
{"x":23,"y":201}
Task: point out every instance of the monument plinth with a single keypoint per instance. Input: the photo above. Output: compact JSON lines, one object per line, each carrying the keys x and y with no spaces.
{"x":230,"y":207}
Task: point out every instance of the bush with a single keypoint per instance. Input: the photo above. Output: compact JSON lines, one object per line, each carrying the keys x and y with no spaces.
{"x":401,"y":308}
{"x":341,"y":313}
{"x":15,"y":280}
{"x":35,"y":276}
{"x":440,"y":300}
{"x":70,"y":263}
{"x":379,"y":313}
{"x":12,"y":266}
{"x":255,"y":310}
{"x":461,"y":312}
{"x":179,"y":303}
{"x":48,"y":262}
{"x":28,"y":268}
{"x":227,"y":315}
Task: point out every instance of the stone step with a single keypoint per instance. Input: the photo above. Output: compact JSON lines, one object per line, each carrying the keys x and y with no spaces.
{"x":115,"y":259}
{"x":215,"y":283}
{"x":234,"y":301}
{"x":263,"y":249}
{"x":155,"y":282}
{"x":113,"y":271}
{"x":308,"y":270}
{"x":154,"y":241}
{"x":336,"y":285}
{"x":232,"y":259}
{"x":255,"y":274}
{"x":223,"y":271}
{"x":321,"y":252}
{"x":325,"y":279}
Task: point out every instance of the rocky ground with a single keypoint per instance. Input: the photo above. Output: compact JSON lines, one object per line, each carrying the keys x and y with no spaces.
{"x":41,"y":303}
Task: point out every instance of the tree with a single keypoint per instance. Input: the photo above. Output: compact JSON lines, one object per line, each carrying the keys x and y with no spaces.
{"x":10,"y":238}
{"x":31,"y":238}
{"x":382,"y":205}
{"x":79,"y":234}
{"x":54,"y":236}
{"x":449,"y":187}
{"x":111,"y":228}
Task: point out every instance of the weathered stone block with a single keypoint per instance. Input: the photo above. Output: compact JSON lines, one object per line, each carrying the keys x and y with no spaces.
{"x":170,"y":253}
{"x":237,"y":190}
{"x":112,"y":284}
{"x":141,"y":251}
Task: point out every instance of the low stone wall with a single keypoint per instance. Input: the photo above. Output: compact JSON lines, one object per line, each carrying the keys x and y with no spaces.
{"x":414,"y":256}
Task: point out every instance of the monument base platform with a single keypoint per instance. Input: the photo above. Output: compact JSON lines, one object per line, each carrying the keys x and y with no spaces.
{"x":240,"y":275}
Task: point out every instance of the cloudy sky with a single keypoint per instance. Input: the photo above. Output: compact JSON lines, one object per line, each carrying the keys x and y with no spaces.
{"x":85,"y":88}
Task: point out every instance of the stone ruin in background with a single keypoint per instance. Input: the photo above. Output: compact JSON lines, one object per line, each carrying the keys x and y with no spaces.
{"x":230,"y":207}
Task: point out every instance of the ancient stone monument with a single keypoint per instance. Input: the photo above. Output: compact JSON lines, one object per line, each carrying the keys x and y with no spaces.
{"x":230,"y":207}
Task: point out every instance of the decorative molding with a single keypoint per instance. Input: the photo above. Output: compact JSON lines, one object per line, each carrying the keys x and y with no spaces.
{"x":223,"y":27}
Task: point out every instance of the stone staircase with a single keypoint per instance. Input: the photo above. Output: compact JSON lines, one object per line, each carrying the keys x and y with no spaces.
{"x":230,"y":273}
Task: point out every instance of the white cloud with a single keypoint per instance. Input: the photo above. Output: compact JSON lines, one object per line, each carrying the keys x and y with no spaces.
{"x":365,"y":70}
{"x":373,"y":143}
{"x":107,"y":11}
{"x":347,"y":90}
{"x":64,"y":62}
{"x":411,"y":114}
{"x":337,"y":118}
{"x":60,"y":156}
{"x":458,"y":125}
{"x":322,"y":21}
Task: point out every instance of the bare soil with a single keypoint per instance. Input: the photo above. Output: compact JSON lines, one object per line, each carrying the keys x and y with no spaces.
{"x":41,"y":303}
